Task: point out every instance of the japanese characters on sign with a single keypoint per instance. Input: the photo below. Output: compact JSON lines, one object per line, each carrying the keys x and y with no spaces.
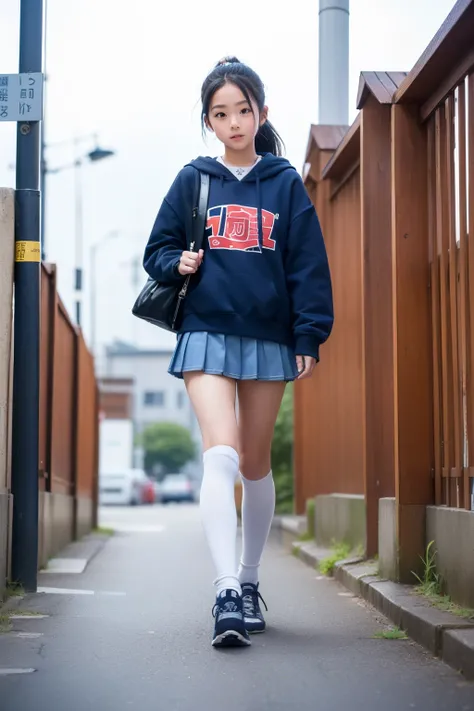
{"x":21,"y":97}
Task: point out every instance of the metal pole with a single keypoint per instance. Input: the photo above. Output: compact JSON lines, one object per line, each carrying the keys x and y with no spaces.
{"x":334,"y":62}
{"x":43,"y":166}
{"x":78,"y":236}
{"x":25,"y":429}
{"x":93,"y":299}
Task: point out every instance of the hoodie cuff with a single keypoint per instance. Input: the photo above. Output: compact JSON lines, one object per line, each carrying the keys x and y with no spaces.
{"x":306,"y":346}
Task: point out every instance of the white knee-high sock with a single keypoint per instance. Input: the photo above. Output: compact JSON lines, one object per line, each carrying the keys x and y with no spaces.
{"x":218,"y":514}
{"x":258,"y":507}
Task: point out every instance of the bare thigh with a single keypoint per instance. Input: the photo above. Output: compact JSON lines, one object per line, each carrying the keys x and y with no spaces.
{"x":259,"y":403}
{"x":213,"y":401}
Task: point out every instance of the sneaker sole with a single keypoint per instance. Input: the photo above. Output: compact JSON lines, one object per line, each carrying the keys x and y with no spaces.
{"x":231,"y":638}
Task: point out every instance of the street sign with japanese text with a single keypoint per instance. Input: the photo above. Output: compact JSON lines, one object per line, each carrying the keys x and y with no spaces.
{"x":21,"y":97}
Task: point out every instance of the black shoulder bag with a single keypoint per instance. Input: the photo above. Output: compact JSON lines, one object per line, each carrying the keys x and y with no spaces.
{"x":161,"y":304}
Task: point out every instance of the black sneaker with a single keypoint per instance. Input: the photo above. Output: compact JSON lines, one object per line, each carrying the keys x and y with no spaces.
{"x":229,"y":628}
{"x":253,"y":617}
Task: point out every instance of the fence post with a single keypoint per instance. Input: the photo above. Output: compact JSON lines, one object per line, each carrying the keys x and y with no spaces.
{"x":7,"y":242}
{"x":411,"y":337}
{"x":376,"y":311}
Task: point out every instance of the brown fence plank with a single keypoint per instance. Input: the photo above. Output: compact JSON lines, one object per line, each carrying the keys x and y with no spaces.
{"x":442,"y":247}
{"x":412,"y":335}
{"x":377,"y":312}
{"x":435,"y":312}
{"x":453,"y":299}
{"x":470,"y":258}
{"x":463,"y":288}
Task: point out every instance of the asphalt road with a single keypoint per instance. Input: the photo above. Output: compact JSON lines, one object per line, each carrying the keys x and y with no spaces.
{"x":142,"y":640}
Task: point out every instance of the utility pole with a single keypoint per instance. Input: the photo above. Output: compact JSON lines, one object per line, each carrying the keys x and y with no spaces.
{"x":25,"y":431}
{"x":334,"y":62}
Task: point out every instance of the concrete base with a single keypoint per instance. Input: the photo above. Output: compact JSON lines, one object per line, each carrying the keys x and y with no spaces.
{"x":453,"y":533}
{"x":340,"y":518}
{"x":388,"y":538}
{"x":5,"y":505}
{"x":56,"y":524}
{"x":84,"y":516}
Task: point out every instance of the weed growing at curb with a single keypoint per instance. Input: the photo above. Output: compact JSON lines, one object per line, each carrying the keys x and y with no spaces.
{"x":14,"y":590}
{"x":340,"y":552}
{"x":392,"y":633}
{"x":305,"y":537}
{"x":431,"y":587}
{"x":104,"y":531}
{"x":430,"y":583}
{"x":5,"y":625}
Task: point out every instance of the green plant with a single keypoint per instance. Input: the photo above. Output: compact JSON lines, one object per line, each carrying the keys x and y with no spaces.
{"x":282,"y":454}
{"x":310,"y":512}
{"x":392,"y":633}
{"x":168,"y":447}
{"x":5,"y":625}
{"x":431,"y":582}
{"x":340,"y":551}
{"x":14,"y":590}
{"x":306,"y":536}
{"x":104,"y":531}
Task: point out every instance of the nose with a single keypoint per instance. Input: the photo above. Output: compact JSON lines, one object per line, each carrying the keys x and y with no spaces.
{"x":234,"y":122}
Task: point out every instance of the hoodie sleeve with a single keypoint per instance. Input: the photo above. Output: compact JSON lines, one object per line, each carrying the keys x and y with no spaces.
{"x":308,"y":277}
{"x":167,"y":240}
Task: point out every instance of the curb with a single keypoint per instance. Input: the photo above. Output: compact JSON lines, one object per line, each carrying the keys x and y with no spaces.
{"x":446,"y":636}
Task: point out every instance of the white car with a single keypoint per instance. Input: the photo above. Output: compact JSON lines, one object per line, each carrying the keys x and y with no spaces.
{"x":122,"y":488}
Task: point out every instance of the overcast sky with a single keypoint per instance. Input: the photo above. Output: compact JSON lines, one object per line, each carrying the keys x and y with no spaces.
{"x":132,"y":73}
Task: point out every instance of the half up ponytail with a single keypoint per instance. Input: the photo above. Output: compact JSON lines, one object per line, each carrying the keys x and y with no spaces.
{"x":230,"y":69}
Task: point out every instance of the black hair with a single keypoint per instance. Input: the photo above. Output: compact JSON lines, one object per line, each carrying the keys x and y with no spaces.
{"x":230,"y":69}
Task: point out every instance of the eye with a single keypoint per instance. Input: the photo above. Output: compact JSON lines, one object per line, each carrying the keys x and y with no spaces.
{"x":220,"y":114}
{"x":246,"y":111}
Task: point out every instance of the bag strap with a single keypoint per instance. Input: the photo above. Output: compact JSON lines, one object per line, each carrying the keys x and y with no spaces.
{"x":200,"y":213}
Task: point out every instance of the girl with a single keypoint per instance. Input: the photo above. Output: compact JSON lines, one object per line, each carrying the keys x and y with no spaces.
{"x":258,"y":310}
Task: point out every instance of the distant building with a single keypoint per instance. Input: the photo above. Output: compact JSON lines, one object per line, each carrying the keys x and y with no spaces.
{"x":157,"y":396}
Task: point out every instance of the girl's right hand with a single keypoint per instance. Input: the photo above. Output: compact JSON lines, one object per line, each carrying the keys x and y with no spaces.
{"x":190,"y":262}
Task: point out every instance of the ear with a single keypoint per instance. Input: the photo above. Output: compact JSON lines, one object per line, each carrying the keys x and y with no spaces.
{"x":208,"y":124}
{"x":263,"y":116}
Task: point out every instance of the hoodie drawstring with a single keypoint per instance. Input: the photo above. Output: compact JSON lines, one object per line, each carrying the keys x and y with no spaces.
{"x":259,"y":214}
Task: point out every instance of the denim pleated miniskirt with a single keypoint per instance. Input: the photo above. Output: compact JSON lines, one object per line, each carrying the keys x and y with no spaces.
{"x":233,"y":356}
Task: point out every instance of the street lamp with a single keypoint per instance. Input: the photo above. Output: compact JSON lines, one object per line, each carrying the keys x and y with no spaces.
{"x":93,"y":156}
{"x":93,"y":255}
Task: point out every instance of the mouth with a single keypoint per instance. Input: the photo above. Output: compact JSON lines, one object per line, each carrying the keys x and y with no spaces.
{"x":238,"y":137}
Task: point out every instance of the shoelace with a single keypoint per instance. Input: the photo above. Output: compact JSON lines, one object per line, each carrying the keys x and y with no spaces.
{"x":250,"y":603}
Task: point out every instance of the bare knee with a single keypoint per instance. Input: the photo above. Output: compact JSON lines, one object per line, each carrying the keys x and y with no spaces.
{"x":255,"y":462}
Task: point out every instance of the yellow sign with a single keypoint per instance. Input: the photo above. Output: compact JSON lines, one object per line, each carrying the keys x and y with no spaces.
{"x":28,"y":252}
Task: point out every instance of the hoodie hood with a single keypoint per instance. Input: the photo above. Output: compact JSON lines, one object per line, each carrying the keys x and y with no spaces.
{"x":266,"y":168}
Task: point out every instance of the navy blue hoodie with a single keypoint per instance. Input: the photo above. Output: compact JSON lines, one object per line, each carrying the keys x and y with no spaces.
{"x":265,"y":271}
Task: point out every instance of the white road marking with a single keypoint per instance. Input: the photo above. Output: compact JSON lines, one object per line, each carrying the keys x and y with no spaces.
{"x":139,"y":528}
{"x":65,"y":591}
{"x":27,"y":617}
{"x":345,"y":594}
{"x":70,"y":591}
{"x":66,"y":565}
{"x":28,"y":635}
{"x":5,"y":672}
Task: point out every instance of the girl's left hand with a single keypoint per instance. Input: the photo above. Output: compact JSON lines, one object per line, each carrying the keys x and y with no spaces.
{"x":305,"y":365}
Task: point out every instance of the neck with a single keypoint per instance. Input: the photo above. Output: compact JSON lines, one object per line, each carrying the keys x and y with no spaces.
{"x":240,"y":158}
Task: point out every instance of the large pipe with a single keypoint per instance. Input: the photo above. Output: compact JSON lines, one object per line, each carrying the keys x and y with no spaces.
{"x":334,"y":62}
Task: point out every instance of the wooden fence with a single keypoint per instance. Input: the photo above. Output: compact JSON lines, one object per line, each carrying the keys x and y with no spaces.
{"x":390,"y":410}
{"x":68,"y":456}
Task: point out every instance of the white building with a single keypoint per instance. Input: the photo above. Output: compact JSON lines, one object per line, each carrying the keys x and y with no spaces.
{"x":157,"y":396}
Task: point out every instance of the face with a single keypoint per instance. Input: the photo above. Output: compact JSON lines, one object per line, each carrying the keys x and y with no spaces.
{"x":234,"y":121}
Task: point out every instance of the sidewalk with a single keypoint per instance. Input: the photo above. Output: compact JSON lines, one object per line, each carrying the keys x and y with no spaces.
{"x":134,"y":632}
{"x":444,"y":634}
